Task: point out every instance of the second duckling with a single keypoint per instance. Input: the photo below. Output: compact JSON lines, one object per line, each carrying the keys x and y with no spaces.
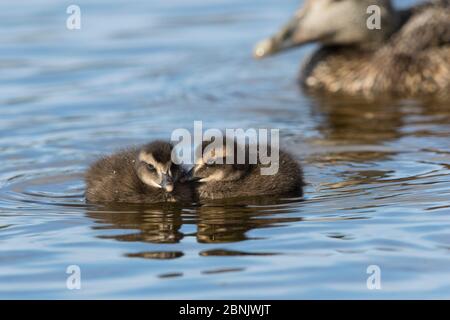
{"x":219,"y":180}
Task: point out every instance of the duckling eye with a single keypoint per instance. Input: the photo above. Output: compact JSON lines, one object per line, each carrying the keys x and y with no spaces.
{"x":150,"y":167}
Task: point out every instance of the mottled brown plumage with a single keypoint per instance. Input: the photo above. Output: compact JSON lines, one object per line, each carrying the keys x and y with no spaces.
{"x":128,"y":177}
{"x":408,"y":57}
{"x":222,"y":181}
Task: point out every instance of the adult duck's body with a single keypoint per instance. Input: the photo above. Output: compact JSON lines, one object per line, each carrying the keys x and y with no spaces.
{"x":409,"y":55}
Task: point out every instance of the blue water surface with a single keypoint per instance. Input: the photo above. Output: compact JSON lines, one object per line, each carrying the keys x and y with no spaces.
{"x":378,"y":174}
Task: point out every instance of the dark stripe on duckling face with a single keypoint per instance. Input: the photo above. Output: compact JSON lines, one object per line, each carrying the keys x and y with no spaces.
{"x":215,"y":166}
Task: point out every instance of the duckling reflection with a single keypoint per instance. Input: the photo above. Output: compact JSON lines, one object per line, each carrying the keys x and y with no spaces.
{"x":159,"y":224}
{"x":408,"y":54}
{"x":138,"y":175}
{"x":223,"y":223}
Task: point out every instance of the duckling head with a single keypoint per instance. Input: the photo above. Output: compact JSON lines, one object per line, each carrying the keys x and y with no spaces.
{"x":219,"y":163}
{"x":154,"y":165}
{"x":332,"y":22}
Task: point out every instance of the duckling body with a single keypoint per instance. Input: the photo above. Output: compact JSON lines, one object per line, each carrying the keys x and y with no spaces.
{"x":222,"y":181}
{"x":126,"y":177}
{"x":408,"y":56}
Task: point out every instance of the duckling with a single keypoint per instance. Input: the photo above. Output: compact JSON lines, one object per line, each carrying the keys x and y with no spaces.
{"x":408,"y":56}
{"x":138,"y":175}
{"x":219,"y":180}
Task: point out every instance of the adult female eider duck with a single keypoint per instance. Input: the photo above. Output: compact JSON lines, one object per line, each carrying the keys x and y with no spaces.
{"x":138,"y":175}
{"x":408,"y":56}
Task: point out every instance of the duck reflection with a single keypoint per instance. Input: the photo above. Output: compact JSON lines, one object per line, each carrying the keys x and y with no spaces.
{"x":218,"y":222}
{"x":357,"y":135}
{"x":348,"y":120}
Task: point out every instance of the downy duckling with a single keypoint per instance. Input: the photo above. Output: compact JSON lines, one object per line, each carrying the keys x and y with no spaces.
{"x":406,"y":55}
{"x":219,"y":180}
{"x":138,"y":175}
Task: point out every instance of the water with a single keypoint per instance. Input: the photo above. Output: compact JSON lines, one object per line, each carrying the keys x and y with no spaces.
{"x":378,"y":174}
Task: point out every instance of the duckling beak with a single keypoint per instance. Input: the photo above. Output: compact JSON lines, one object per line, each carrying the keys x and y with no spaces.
{"x":290,"y":35}
{"x":191,"y":175}
{"x":166,"y":182}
